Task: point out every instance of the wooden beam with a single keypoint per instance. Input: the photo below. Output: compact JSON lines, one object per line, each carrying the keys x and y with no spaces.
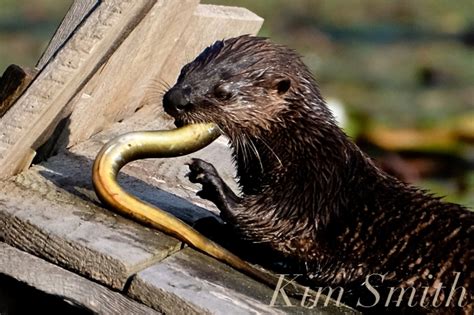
{"x":147,"y":62}
{"x":12,"y":83}
{"x":54,"y":280}
{"x":35,"y":111}
{"x":190,"y":282}
{"x":51,"y":212}
{"x":208,"y":24}
{"x":115,"y":91}
{"x":75,"y":15}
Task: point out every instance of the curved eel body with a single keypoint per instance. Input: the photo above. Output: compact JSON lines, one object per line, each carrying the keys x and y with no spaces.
{"x":160,"y":144}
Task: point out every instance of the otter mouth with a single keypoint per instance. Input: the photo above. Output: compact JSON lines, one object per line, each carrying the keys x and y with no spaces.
{"x":179,"y":123}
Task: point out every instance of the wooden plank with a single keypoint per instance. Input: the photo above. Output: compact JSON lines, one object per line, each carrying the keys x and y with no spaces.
{"x":23,"y":125}
{"x":54,"y":280}
{"x":75,"y":15}
{"x":208,"y":24}
{"x":193,"y":283}
{"x":153,"y":63}
{"x":189,"y":282}
{"x":115,"y":91}
{"x":12,"y":83}
{"x":42,"y":214}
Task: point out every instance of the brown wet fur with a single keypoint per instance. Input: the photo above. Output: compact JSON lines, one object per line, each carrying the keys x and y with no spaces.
{"x":308,"y":192}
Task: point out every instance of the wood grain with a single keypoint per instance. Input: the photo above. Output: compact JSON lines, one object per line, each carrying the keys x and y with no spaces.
{"x":116,"y":90}
{"x":75,"y":15}
{"x":201,"y":285}
{"x":149,"y":64}
{"x":54,"y":280}
{"x":189,"y":282}
{"x":208,"y":24}
{"x":24,"y":125}
{"x":41,"y":214}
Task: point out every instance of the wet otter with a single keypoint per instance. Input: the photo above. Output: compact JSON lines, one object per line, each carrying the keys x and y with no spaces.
{"x":309,"y":193}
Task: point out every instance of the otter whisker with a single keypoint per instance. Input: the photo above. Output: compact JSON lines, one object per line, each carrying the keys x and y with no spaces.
{"x":153,"y":97}
{"x":155,"y":91}
{"x":161,"y":81}
{"x":221,"y":130}
{"x":241,"y":142}
{"x":254,"y":149}
{"x":271,"y":150}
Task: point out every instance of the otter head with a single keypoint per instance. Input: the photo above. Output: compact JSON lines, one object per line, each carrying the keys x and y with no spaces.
{"x":243,"y":83}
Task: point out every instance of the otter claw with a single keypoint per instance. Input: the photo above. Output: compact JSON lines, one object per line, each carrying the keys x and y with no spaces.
{"x":205,"y":174}
{"x":213,"y":187}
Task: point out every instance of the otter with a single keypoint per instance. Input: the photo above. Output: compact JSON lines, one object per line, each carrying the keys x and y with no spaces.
{"x":309,"y":194}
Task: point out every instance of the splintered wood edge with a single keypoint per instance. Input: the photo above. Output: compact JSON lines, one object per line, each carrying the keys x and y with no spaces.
{"x":54,"y":280}
{"x":87,"y":49}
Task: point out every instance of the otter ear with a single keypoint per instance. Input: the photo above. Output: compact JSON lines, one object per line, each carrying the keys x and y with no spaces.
{"x":282,"y":85}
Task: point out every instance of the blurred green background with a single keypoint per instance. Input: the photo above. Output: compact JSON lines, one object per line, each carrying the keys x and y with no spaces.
{"x":393,"y":65}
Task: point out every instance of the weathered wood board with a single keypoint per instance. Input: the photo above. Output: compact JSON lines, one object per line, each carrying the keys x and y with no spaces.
{"x":192,"y":283}
{"x":41,"y":214}
{"x":74,"y":16}
{"x":108,"y":97}
{"x":12,"y":83}
{"x":51,"y":209}
{"x":116,"y":90}
{"x":208,"y":24}
{"x":26,"y":124}
{"x":189,"y":282}
{"x":136,"y":39}
{"x":54,"y":280}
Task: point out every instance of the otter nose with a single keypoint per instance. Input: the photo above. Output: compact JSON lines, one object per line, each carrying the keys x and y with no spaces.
{"x":176,"y":101}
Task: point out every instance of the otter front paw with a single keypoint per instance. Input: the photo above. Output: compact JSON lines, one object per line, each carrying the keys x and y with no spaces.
{"x":205,"y":174}
{"x":214,"y":188}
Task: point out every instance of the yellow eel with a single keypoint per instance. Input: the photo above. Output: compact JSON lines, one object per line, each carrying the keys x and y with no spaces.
{"x":161,"y":144}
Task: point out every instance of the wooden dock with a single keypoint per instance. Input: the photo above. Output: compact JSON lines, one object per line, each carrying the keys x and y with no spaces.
{"x":101,"y":77}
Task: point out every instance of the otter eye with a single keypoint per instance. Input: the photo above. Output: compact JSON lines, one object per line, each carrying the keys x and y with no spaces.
{"x":283,"y":85}
{"x":222,"y":93}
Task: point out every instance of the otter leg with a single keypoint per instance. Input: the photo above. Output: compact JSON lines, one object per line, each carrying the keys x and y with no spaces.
{"x":213,"y":187}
